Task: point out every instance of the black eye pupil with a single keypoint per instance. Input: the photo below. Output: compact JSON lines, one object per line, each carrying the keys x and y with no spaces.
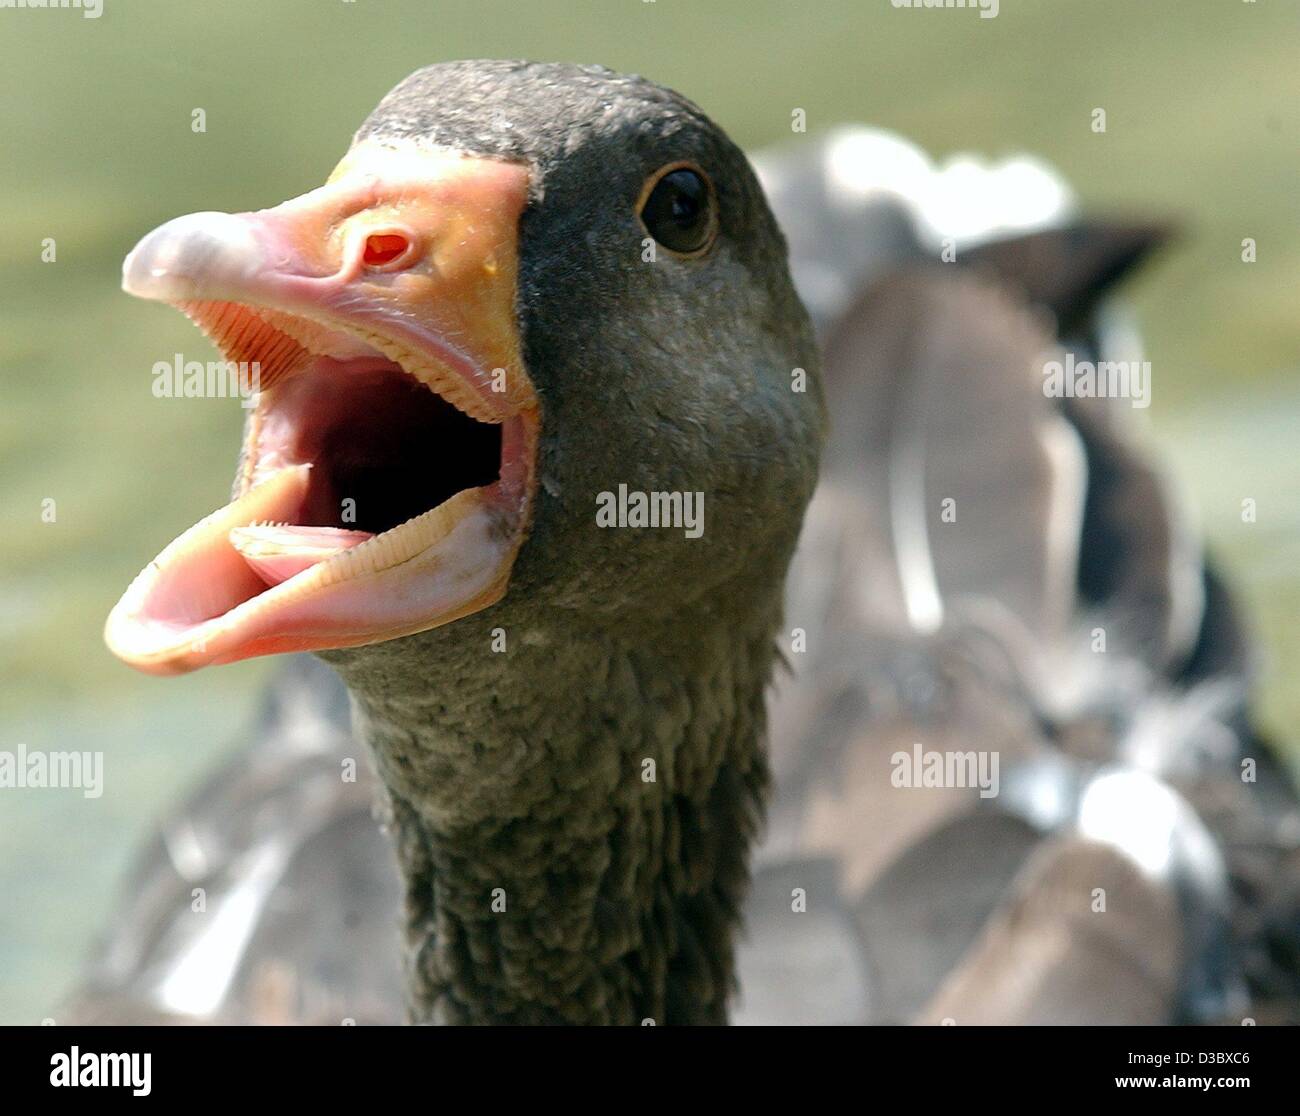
{"x":677,"y":212}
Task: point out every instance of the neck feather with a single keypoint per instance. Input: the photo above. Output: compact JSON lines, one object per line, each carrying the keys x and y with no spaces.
{"x":572,"y":816}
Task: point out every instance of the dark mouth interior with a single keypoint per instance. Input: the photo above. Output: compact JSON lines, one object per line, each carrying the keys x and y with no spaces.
{"x":383,"y":446}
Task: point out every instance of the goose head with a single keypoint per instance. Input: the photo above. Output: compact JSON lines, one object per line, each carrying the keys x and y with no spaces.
{"x":522,"y":287}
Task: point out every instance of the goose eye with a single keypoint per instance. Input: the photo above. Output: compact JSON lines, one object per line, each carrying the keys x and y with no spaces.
{"x":680,"y":210}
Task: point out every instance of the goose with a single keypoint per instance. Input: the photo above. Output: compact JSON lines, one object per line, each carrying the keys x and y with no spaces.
{"x":445,"y":347}
{"x":545,"y":879}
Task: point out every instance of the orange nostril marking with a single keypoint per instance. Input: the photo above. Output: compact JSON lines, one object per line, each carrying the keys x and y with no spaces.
{"x":384,"y":248}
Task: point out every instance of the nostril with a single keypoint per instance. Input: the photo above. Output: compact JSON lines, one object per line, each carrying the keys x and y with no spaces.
{"x":384,"y":248}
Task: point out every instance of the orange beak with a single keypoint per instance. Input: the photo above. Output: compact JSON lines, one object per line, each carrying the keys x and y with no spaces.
{"x":389,"y":465}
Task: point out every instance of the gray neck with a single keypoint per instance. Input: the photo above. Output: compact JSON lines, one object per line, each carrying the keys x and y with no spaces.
{"x":573,"y":815}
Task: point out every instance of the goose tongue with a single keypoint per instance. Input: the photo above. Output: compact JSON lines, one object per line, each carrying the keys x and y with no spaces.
{"x":276,"y":552}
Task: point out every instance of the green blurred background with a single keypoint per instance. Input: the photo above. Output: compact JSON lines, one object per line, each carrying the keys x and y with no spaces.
{"x":96,"y":148}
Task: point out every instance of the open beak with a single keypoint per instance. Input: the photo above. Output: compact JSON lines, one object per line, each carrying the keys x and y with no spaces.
{"x":388,"y":468}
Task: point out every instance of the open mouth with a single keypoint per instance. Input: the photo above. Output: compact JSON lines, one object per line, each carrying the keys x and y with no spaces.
{"x":384,"y":488}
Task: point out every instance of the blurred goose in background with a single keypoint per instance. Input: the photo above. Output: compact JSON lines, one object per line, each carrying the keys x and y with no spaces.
{"x":984,"y":572}
{"x":1139,"y":861}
